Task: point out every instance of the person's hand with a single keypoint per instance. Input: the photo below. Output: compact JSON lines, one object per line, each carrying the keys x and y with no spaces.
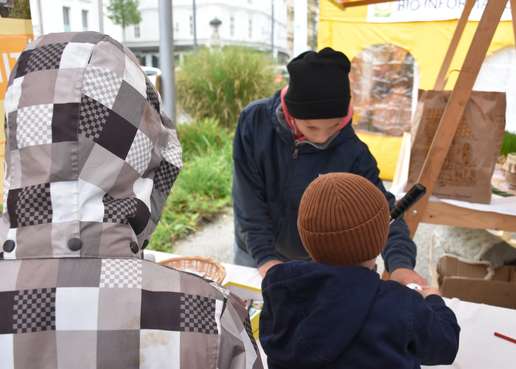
{"x":406,"y":276}
{"x":264,"y":268}
{"x":427,"y":291}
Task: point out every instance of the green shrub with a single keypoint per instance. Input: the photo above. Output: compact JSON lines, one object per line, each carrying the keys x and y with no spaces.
{"x":220,"y":83}
{"x":509,"y":143}
{"x":208,"y":176}
{"x":203,"y":188}
{"x":202,"y":137}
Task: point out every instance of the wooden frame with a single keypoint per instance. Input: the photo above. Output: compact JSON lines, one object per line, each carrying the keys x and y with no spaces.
{"x":441,"y":77}
{"x":447,"y":128}
{"x":513,"y":13}
{"x":350,"y":3}
{"x":439,"y":212}
{"x":442,"y":213}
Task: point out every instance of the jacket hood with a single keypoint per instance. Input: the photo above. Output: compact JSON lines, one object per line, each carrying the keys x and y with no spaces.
{"x":312,"y":312}
{"x":90,"y":158}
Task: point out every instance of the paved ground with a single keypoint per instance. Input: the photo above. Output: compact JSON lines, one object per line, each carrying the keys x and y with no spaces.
{"x":216,"y":240}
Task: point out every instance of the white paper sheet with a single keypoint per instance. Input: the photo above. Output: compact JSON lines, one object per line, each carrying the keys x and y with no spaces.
{"x":479,"y":348}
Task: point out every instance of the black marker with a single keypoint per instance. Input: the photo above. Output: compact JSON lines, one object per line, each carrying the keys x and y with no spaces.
{"x":411,"y":197}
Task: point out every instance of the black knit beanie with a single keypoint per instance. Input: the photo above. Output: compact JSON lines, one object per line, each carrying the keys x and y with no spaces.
{"x":319,"y":85}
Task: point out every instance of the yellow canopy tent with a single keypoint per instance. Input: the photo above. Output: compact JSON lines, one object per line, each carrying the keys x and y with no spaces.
{"x":351,"y":31}
{"x":14,"y":36}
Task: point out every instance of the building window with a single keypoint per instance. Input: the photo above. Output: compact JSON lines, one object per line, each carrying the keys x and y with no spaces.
{"x":176,"y":28}
{"x":84,"y":20}
{"x":232,"y":26}
{"x":250,"y":28}
{"x":137,"y":31}
{"x":66,"y":18}
{"x":155,"y":61}
{"x":191,"y":25}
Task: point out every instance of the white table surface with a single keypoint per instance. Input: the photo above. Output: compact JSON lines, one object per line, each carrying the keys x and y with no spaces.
{"x":479,"y":348}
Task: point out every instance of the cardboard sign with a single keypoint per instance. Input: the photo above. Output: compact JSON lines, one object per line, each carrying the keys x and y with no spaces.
{"x":470,"y":163}
{"x":473,"y":282}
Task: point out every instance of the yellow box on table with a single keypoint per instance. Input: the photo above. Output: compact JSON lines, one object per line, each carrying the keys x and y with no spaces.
{"x":252,"y":296}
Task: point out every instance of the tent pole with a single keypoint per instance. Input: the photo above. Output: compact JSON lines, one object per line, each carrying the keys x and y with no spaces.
{"x":440,"y":82}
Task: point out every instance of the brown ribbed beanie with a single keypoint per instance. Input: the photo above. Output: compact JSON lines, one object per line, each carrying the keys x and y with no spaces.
{"x":343,"y":219}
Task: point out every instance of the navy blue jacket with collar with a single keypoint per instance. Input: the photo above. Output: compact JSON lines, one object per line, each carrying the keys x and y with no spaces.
{"x":271,"y":172}
{"x":317,"y":316}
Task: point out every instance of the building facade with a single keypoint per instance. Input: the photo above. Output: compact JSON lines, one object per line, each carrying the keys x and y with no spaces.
{"x":305,"y":26}
{"x":64,"y":16}
{"x":312,"y":23}
{"x":259,"y":24}
{"x":243,"y":22}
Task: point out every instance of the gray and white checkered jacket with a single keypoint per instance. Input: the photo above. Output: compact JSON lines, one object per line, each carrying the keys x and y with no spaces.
{"x":90,"y":161}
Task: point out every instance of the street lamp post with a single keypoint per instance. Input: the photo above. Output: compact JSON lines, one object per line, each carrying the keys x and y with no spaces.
{"x":215,"y":37}
{"x":272,"y":30}
{"x":166,"y":51}
{"x":194,"y":21}
{"x":101,"y":15}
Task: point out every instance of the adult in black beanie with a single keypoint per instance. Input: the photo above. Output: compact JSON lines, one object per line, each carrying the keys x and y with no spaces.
{"x":286,"y":141}
{"x":319,"y":85}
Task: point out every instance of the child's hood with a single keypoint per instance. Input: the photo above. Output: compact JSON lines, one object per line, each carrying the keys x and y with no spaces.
{"x":312,"y":312}
{"x":90,"y":157}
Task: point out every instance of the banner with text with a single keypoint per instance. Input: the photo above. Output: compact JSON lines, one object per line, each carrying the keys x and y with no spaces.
{"x":427,"y":10}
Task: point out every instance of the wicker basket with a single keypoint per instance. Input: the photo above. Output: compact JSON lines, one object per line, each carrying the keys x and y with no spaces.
{"x":203,"y":266}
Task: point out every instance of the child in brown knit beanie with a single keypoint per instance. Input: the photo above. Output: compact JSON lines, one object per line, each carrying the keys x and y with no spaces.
{"x":336,"y":312}
{"x":343,"y":220}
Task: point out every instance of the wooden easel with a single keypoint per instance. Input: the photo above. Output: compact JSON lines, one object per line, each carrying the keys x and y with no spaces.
{"x":440,"y":213}
{"x":437,"y":212}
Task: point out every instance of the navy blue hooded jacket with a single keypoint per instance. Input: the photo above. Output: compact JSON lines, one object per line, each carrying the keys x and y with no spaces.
{"x":271,"y":172}
{"x":320,"y":316}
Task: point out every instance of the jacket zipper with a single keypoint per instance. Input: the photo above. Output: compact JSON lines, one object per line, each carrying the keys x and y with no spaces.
{"x":295,"y":153}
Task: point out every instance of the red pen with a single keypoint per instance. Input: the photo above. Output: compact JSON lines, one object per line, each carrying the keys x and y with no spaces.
{"x":504,"y":337}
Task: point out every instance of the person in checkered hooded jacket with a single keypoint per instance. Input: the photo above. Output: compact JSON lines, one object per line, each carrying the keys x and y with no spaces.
{"x":90,"y":161}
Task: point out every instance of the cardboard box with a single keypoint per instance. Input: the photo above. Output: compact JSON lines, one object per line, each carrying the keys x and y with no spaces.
{"x":253,"y":297}
{"x":471,"y":282}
